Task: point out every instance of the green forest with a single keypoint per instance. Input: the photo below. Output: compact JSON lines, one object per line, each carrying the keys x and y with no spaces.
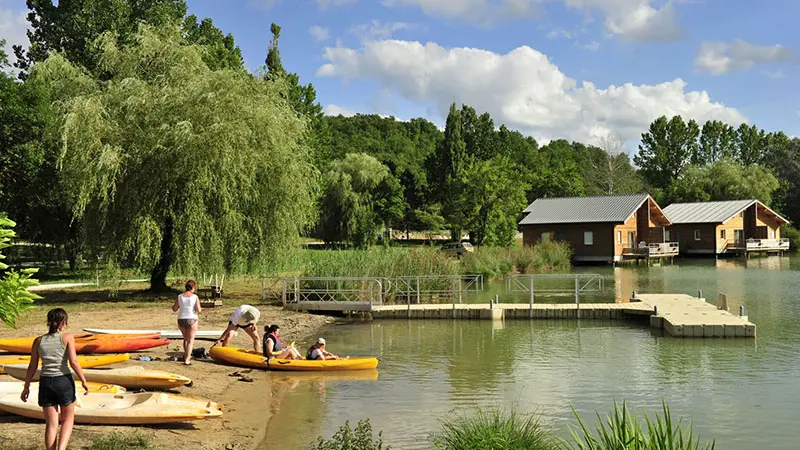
{"x":132,"y":135}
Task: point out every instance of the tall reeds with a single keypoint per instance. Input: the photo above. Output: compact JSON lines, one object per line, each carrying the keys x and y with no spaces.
{"x":421,"y":261}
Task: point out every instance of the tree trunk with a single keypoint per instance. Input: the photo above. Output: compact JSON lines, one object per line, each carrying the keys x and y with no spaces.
{"x":158,"y":277}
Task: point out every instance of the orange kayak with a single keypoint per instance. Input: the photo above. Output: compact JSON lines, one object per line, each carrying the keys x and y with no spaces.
{"x":90,"y":343}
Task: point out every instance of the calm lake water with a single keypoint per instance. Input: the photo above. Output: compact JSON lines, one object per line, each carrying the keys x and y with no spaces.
{"x":743,"y":393}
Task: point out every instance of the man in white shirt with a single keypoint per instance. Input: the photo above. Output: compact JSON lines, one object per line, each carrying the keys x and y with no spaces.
{"x":244,"y":317}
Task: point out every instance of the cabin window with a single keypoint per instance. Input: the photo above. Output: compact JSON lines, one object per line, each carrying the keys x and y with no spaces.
{"x":722,"y":234}
{"x":696,"y":235}
{"x":588,"y":238}
{"x":741,"y":215}
{"x":547,"y":236}
{"x":619,"y":237}
{"x":667,"y":235}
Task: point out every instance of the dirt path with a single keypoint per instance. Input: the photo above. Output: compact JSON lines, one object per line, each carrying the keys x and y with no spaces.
{"x":246,"y":404}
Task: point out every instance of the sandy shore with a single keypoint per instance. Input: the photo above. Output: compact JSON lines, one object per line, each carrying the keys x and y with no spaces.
{"x":247,"y":405}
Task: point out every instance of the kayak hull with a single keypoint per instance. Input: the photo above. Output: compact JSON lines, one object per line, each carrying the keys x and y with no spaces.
{"x":85,"y":361}
{"x":165,"y":334}
{"x":248,"y":358}
{"x":333,"y":365}
{"x":135,"y":377}
{"x":90,"y":343}
{"x":122,"y":409}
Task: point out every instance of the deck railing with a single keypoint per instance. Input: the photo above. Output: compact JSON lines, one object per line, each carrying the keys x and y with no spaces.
{"x":767,"y":244}
{"x":653,"y":249}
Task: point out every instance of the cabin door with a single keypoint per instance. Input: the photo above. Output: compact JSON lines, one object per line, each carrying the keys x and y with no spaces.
{"x":632,"y":239}
{"x":738,"y":237}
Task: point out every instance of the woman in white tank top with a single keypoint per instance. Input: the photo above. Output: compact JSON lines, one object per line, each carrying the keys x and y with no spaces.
{"x":188,"y":307}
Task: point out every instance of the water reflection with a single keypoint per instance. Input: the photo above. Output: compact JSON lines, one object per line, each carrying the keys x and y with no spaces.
{"x":738,"y":392}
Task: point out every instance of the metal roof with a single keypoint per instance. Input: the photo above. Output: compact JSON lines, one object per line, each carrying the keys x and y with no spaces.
{"x":709,"y":212}
{"x":612,"y":208}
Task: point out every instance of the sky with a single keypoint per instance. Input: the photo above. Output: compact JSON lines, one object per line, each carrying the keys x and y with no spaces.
{"x":574,"y":69}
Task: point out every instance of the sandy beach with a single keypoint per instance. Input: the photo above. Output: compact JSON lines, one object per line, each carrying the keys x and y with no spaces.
{"x":247,"y":404}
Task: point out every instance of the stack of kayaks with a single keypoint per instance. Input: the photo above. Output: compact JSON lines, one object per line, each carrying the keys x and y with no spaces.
{"x":91,"y":343}
{"x":108,"y":401}
{"x":248,"y":358}
{"x":134,"y":377}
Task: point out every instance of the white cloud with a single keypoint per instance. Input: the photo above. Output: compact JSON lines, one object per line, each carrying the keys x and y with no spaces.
{"x":323,"y":4}
{"x":718,"y":58}
{"x":555,"y":34}
{"x":321,"y":34}
{"x":522,"y":89}
{"x":592,"y":46}
{"x":335,"y":110}
{"x":377,"y":30}
{"x":635,"y":20}
{"x":774,"y":74}
{"x":264,"y":5}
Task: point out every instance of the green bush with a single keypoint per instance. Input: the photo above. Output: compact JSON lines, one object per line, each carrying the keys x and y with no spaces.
{"x":495,"y":429}
{"x":620,"y":430}
{"x":358,"y":438}
{"x":122,"y":441}
{"x":793,"y":234}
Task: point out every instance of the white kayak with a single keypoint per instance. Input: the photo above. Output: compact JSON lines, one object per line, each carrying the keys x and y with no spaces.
{"x":165,"y":334}
{"x":121,"y":409}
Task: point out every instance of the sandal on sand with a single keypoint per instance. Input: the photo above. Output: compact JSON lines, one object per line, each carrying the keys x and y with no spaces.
{"x":187,"y":363}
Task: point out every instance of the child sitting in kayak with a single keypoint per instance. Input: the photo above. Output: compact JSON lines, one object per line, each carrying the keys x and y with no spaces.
{"x":274,"y":348}
{"x":317,"y":351}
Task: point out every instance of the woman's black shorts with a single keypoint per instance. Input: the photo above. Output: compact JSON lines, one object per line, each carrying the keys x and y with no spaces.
{"x":56,"y":391}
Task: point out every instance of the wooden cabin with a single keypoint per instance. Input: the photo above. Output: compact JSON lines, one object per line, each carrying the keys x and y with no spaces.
{"x":727,"y":227}
{"x":600,"y":229}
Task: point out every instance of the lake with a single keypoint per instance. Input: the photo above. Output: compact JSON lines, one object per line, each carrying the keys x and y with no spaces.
{"x":741,"y":392}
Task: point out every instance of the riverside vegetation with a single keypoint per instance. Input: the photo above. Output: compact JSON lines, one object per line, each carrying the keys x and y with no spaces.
{"x":499,"y":429}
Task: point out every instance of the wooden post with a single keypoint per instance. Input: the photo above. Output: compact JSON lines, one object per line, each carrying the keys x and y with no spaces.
{"x":417,"y":291}
{"x":283,"y":295}
{"x":459,"y":290}
{"x":577,"y":298}
{"x":530,"y":306}
{"x":453,"y":295}
{"x":409,"y":304}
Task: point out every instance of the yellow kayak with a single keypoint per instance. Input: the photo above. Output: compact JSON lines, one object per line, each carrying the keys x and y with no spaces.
{"x":131,"y":377}
{"x":121,"y":409}
{"x":248,"y":358}
{"x":86,"y":361}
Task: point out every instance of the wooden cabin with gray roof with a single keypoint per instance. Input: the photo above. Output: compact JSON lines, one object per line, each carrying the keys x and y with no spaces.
{"x":726,"y":227}
{"x":601,"y":229}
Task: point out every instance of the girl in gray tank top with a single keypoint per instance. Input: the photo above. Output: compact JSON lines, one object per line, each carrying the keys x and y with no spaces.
{"x":56,"y":389}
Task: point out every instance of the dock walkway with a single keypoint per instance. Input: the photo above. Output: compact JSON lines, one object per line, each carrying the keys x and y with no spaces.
{"x":679,"y":315}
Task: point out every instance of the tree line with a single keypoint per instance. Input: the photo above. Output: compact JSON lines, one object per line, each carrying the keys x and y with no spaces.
{"x":134,"y":136}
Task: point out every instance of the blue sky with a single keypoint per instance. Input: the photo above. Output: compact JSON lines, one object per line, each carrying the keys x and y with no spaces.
{"x":578,"y":69}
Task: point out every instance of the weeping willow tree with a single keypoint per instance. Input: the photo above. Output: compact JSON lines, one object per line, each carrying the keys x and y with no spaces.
{"x":176,"y":167}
